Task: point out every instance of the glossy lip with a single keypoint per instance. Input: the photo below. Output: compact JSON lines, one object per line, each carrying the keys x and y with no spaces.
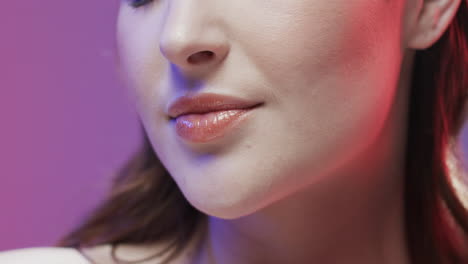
{"x":208,"y":127}
{"x":207,"y":102}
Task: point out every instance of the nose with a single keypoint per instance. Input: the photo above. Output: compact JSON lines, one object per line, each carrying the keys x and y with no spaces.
{"x":189,"y":38}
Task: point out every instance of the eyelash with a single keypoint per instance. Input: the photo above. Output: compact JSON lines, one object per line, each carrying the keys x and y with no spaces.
{"x":135,"y":4}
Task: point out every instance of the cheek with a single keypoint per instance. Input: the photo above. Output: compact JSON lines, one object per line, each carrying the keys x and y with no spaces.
{"x":329,"y":37}
{"x":332,"y":52}
{"x":142,"y":65}
{"x":333,"y":68}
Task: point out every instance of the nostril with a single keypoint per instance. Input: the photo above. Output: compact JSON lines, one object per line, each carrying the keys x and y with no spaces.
{"x":200,"y":56}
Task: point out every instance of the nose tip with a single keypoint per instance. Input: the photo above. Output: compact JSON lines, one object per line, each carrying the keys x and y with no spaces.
{"x":190,"y":41}
{"x":188,"y":55}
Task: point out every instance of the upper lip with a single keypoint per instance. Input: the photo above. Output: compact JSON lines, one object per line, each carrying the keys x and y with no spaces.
{"x":207,"y":102}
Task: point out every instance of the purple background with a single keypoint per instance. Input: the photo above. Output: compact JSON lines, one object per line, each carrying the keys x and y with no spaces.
{"x":65,"y":121}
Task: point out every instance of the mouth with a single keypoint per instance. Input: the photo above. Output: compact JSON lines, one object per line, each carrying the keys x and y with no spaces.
{"x":206,"y":103}
{"x":225,"y":109}
{"x":209,"y":126}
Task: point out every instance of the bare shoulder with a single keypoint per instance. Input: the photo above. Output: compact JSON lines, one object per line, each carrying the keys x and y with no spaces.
{"x":142,"y":254}
{"x":98,"y":254}
{"x":46,"y":255}
{"x":151,"y":253}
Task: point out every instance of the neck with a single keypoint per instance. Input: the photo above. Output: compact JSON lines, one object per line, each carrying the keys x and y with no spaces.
{"x":344,"y":225}
{"x":348,"y":218}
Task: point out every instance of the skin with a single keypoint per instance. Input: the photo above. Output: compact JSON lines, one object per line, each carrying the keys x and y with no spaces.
{"x":315,"y":175}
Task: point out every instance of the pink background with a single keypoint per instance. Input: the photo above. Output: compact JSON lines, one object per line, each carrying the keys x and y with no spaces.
{"x":65,"y":121}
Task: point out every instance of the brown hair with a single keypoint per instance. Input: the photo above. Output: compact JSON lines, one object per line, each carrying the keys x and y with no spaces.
{"x":145,"y":205}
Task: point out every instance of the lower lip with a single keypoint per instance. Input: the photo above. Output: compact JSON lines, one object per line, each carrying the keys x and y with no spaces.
{"x":199,"y":128}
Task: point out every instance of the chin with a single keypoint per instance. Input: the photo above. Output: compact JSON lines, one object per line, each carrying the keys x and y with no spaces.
{"x":225,"y":205}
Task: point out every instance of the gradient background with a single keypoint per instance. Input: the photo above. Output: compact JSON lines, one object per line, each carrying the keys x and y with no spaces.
{"x":65,"y":121}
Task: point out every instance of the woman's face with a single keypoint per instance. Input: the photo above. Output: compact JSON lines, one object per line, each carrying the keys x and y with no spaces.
{"x":326,"y":72}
